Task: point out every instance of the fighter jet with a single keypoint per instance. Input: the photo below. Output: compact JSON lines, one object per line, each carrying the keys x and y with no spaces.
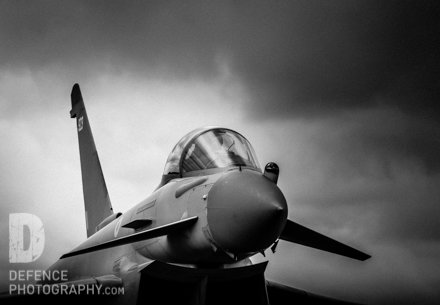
{"x":191,"y":240}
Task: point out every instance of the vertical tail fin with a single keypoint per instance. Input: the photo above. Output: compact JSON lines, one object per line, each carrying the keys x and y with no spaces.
{"x":96,"y":199}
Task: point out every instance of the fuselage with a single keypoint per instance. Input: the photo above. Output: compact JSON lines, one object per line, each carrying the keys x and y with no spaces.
{"x":240,"y":212}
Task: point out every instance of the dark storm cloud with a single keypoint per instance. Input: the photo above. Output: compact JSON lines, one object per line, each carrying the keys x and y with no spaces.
{"x":364,"y":75}
{"x":379,"y":161}
{"x":119,"y":36}
{"x":328,"y":56}
{"x":295,"y":58}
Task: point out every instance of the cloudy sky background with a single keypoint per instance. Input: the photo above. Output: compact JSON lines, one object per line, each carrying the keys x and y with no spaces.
{"x":343,"y":95}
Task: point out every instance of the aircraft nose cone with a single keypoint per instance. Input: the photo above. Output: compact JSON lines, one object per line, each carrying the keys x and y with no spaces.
{"x":246,"y":212}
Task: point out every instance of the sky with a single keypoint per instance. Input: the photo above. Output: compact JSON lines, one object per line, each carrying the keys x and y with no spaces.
{"x":342,"y":95}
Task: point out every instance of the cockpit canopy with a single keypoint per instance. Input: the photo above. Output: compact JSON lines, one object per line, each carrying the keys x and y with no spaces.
{"x":210,"y":148}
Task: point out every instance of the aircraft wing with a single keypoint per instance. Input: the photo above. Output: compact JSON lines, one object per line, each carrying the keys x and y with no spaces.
{"x":299,"y":234}
{"x":136,"y":237}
